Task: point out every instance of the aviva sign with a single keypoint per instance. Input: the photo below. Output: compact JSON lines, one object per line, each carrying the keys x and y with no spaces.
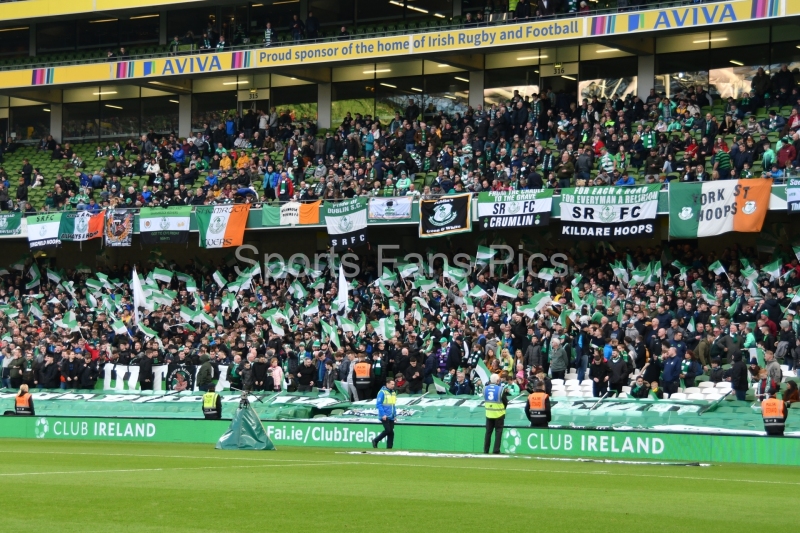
{"x":396,"y":47}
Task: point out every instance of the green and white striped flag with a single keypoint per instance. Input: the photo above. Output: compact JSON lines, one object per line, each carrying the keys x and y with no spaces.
{"x":35,"y":310}
{"x":518,"y":278}
{"x":546,"y":273}
{"x":36,"y":277}
{"x":576,"y":280}
{"x":749,"y":273}
{"x":477,"y":292}
{"x":297,"y":290}
{"x":219,"y":279}
{"x":161,"y":274}
{"x":312,"y":309}
{"x":407,"y":270}
{"x":485,"y":254}
{"x":690,"y":326}
{"x":506,"y":291}
{"x":773,"y":269}
{"x":53,"y":276}
{"x":119,"y":327}
{"x":717,"y":268}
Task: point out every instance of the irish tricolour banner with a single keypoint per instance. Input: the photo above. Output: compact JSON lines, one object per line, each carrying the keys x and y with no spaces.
{"x":609,"y":213}
{"x":517,"y":209}
{"x":43,"y":231}
{"x":81,"y":226}
{"x":716,"y":207}
{"x":347,"y":223}
{"x":159,"y":225}
{"x":221,"y":226}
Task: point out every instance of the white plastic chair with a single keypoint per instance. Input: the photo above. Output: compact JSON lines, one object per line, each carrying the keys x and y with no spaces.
{"x":710,"y":391}
{"x":678,"y":396}
{"x":586,"y":382}
{"x":706,"y":385}
{"x":625,"y":389}
{"x":691,"y":390}
{"x":723,"y":385}
{"x":559,"y":393}
{"x":557,"y":381}
{"x":697,"y":396}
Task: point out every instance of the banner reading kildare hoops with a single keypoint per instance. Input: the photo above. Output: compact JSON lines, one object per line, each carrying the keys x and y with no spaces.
{"x":609,"y":212}
{"x":445,"y":216}
{"x":158,"y":225}
{"x":347,"y":223}
{"x":518,"y":209}
{"x":793,"y":196}
{"x":712,"y":208}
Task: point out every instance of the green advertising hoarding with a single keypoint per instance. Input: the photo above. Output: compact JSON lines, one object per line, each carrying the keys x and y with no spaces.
{"x":622,"y":445}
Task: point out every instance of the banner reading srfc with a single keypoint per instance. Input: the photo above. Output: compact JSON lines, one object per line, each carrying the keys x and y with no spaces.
{"x":609,"y":212}
{"x":516,"y":209}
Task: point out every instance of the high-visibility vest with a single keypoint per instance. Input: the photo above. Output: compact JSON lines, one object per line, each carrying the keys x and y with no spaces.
{"x":23,"y":404}
{"x":210,"y":403}
{"x":362,"y":373}
{"x":493,"y":401}
{"x":537,"y":405}
{"x":773,"y":411}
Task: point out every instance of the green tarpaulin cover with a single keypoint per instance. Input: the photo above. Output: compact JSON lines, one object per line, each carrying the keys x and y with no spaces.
{"x":245,"y":433}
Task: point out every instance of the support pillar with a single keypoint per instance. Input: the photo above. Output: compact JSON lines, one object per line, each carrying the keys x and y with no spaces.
{"x":646,"y":77}
{"x":185,"y":115}
{"x":56,"y":120}
{"x":32,"y":40}
{"x":456,"y":8}
{"x":324,"y":96}
{"x":162,"y":28}
{"x":476,"y":85}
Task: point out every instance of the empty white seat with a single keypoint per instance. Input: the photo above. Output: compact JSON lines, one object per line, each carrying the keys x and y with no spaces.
{"x":784,"y":368}
{"x":557,"y":393}
{"x":588,"y":394}
{"x":587,"y":382}
{"x":710,"y":391}
{"x":697,"y":396}
{"x":573,"y":387}
{"x":625,"y":389}
{"x":691,"y":390}
{"x":712,"y":397}
{"x":706,"y":385}
{"x":557,"y":381}
{"x":622,"y":395}
{"x":557,"y":386}
{"x":723,"y":385}
{"x":678,"y":396}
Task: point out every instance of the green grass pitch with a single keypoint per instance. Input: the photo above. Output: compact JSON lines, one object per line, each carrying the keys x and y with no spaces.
{"x":121,"y":487}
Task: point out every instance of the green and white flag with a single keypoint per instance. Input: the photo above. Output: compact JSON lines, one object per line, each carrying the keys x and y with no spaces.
{"x":219,"y":279}
{"x":483,"y":372}
{"x":35,"y":310}
{"x":161,"y":274}
{"x":749,"y":273}
{"x":407,"y":270}
{"x":10,"y":223}
{"x":546,"y":273}
{"x":297,"y":290}
{"x":576,"y":280}
{"x":478,"y":292}
{"x":506,"y":291}
{"x":68,"y":322}
{"x":119,"y":327}
{"x":53,"y":276}
{"x":312,"y":309}
{"x":717,"y":268}
{"x":35,"y":275}
{"x":518,"y":278}
{"x":43,"y":231}
{"x":690,"y":326}
{"x":773,"y":269}
{"x":331,"y":333}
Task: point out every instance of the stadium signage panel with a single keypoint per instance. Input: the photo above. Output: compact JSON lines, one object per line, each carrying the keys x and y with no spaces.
{"x":793,"y":196}
{"x":515,"y":209}
{"x":609,"y":212}
{"x":398,"y":46}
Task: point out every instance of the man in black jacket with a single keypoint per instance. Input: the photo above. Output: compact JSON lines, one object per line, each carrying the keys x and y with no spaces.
{"x":146,"y":371}
{"x":738,"y":377}
{"x":305,"y":375}
{"x":48,"y":374}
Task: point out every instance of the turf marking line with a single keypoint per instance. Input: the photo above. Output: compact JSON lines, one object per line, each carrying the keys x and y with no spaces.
{"x":452,"y":467}
{"x":151,"y":469}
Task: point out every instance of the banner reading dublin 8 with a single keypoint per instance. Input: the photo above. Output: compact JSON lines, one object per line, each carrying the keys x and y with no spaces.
{"x":712,"y":208}
{"x":609,"y":212}
{"x":44,"y":231}
{"x":221,"y":226}
{"x":445,"y":216}
{"x":347,"y":223}
{"x":517,"y":209}
{"x":793,"y":196}
{"x":159,"y":225}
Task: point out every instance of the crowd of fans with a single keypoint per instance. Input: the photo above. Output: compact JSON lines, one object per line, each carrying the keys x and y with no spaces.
{"x":655,"y":336}
{"x":545,"y":141}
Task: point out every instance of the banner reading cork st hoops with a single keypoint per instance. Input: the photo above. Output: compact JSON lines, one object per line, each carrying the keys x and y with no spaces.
{"x":445,"y":216}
